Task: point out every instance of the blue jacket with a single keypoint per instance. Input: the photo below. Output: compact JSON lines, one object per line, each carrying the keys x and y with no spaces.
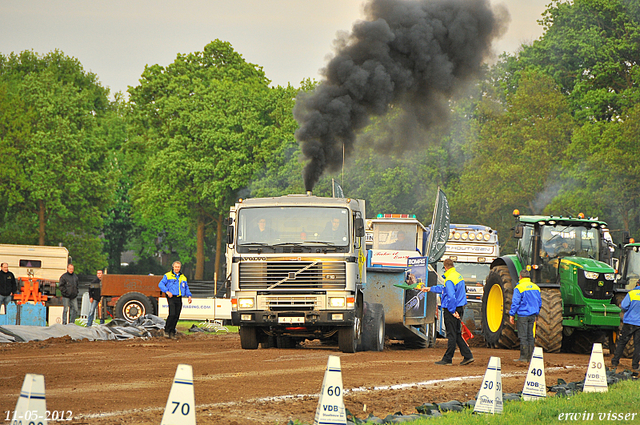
{"x":631,"y":307}
{"x":454,"y":291}
{"x":526,"y":299}
{"x":169,"y":283}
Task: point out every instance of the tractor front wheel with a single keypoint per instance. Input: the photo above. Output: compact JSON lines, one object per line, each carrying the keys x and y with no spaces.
{"x":496,"y":302}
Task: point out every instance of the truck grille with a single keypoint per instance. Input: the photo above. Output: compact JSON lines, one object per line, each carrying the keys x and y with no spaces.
{"x":291,"y":302}
{"x":292,"y":275}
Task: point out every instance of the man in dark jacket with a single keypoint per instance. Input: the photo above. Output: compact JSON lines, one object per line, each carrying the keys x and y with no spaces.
{"x":69,"y":290}
{"x":8,"y":285}
{"x":94,"y":298}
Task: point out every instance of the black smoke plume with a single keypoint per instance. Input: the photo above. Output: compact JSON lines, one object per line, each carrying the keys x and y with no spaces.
{"x":407,"y":54}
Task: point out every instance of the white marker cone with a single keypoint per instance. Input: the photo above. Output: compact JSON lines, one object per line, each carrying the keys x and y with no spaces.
{"x":596,"y":379}
{"x":32,"y":405}
{"x":535,"y":386}
{"x":181,"y":404}
{"x":490,"y":396}
{"x":331,"y":409}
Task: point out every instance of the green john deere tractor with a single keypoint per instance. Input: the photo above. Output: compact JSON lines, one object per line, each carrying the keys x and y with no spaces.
{"x":570,"y":262}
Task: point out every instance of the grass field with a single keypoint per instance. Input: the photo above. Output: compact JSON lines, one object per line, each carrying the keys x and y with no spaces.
{"x":619,"y":405}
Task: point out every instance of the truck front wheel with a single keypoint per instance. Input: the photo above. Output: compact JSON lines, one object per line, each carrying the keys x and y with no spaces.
{"x":348,"y":337}
{"x":132,"y":306}
{"x":248,"y":337}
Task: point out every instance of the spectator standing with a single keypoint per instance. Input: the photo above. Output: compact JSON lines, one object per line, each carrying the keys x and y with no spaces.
{"x":630,"y":328}
{"x":526,"y":303}
{"x":69,"y":290}
{"x":8,"y":285}
{"x":174,"y":285}
{"x":454,"y":298}
{"x":94,"y":297}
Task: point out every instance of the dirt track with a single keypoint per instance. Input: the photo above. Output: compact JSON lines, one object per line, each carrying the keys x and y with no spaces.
{"x":128,"y":382}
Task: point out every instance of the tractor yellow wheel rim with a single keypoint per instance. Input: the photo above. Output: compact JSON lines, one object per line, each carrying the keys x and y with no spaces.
{"x":494,"y":309}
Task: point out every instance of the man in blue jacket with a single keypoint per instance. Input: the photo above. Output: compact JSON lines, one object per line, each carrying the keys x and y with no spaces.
{"x":454,"y":298}
{"x":174,"y":285}
{"x":630,"y":328}
{"x":526,"y":303}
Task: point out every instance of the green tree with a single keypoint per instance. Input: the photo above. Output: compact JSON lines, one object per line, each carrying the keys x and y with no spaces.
{"x":517,"y":158}
{"x":603,"y":172}
{"x":592,"y":50}
{"x":202,"y":121}
{"x":63,"y":183}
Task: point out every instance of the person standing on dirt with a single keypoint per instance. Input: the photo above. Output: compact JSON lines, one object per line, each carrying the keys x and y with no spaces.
{"x":526,"y":303}
{"x":454,"y":298}
{"x":94,"y":298}
{"x":69,"y":290}
{"x":174,"y":285}
{"x":630,"y":328}
{"x":8,"y":285}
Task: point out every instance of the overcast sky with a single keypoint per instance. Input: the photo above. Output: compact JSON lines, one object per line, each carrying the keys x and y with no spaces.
{"x":290,"y":39}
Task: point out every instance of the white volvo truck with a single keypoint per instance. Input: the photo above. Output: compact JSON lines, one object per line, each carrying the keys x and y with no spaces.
{"x":297,"y":268}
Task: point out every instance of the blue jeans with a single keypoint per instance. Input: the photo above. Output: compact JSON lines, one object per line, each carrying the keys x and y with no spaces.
{"x":69,"y":303}
{"x":5,"y":299}
{"x":92,"y":313}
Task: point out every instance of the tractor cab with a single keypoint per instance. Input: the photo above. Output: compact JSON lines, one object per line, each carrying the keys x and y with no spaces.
{"x":552,"y":244}
{"x":629,"y":272}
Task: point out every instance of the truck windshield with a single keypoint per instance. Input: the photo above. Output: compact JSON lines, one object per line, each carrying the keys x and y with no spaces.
{"x":299,"y":226}
{"x":396,"y":236}
{"x":472,"y":273}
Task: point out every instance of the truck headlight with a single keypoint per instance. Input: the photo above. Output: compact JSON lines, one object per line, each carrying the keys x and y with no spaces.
{"x":245,"y":303}
{"x":609,"y":276}
{"x":336,"y":302}
{"x":590,"y":275}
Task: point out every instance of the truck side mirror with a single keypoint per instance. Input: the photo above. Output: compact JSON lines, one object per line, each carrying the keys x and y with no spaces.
{"x":229,"y":235}
{"x":228,"y":221}
{"x":518,"y":231}
{"x":359,"y":224}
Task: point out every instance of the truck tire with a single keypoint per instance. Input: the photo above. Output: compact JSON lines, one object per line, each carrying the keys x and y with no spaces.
{"x":348,"y":337}
{"x":415,"y":342}
{"x":133,"y":305}
{"x":268,"y":341}
{"x":549,"y":324}
{"x":248,"y":337}
{"x":432,"y":333}
{"x":496,"y":302}
{"x":613,"y":339}
{"x":285,"y":342}
{"x":372,"y":328}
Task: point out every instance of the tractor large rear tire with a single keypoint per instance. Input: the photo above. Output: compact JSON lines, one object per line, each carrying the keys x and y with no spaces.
{"x":549,"y":325}
{"x":496,"y":302}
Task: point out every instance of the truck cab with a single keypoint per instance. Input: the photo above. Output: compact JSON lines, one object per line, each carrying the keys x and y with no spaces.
{"x":297,"y":267}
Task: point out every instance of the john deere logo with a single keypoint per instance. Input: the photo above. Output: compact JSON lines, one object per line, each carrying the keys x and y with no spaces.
{"x":600,"y":283}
